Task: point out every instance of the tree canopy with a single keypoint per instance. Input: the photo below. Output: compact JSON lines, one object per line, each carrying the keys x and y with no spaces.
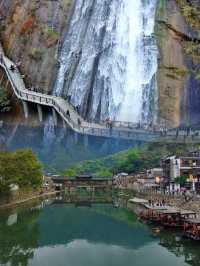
{"x":131,"y":161}
{"x":21,"y":167}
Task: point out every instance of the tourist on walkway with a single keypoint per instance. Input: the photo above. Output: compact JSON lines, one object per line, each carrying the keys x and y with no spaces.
{"x":79,"y":122}
{"x":12,"y":68}
{"x":106,"y":121}
{"x":68,"y":113}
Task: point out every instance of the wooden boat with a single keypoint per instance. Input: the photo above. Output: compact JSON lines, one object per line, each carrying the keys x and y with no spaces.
{"x":152,"y":215}
{"x":186,"y":215}
{"x":171,"y":218}
{"x":192,"y":229}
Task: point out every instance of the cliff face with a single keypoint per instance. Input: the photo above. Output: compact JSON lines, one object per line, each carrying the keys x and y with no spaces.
{"x":178,"y":36}
{"x":30,"y":32}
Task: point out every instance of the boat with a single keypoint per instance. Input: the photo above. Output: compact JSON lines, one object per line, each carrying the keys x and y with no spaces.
{"x":185,"y":215}
{"x":192,"y":229}
{"x":171,"y":218}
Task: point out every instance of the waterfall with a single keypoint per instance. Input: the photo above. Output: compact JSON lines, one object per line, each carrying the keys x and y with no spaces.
{"x":108,"y":60}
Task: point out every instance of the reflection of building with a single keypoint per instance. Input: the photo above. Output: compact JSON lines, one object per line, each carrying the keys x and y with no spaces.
{"x":187,"y":165}
{"x":171,"y":167}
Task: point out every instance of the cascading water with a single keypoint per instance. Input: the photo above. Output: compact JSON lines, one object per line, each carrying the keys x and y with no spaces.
{"x":108,"y":60}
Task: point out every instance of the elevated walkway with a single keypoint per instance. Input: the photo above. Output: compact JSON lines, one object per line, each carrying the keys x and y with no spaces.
{"x":67,"y":112}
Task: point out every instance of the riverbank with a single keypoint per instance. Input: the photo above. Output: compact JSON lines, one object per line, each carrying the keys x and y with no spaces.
{"x":16,"y":202}
{"x":174,"y":201}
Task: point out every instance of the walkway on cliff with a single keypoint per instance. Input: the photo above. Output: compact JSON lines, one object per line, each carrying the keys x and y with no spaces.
{"x":77,"y":123}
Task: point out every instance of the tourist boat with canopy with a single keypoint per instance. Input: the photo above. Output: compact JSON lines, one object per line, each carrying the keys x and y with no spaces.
{"x":192,"y":229}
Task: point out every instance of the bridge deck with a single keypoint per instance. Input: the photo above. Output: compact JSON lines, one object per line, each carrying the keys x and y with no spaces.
{"x":77,"y":123}
{"x":63,"y":107}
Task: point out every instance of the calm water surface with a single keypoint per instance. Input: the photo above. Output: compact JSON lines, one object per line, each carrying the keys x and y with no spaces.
{"x":65,"y":235}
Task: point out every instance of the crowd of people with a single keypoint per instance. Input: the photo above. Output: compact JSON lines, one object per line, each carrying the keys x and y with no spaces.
{"x":157,"y":202}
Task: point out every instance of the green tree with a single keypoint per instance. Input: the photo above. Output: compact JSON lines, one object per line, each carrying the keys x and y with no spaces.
{"x":5,"y":104}
{"x":181,"y":180}
{"x":21,"y":167}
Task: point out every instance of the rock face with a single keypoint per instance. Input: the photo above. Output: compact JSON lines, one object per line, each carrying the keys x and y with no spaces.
{"x":178,"y":85}
{"x":30,"y":32}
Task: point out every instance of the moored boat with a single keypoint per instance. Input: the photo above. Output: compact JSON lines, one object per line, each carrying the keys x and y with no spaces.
{"x":192,"y":229}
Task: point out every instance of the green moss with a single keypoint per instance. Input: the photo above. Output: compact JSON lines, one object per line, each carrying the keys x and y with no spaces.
{"x":160,"y":31}
{"x":197,"y":75}
{"x":50,"y":33}
{"x":35,"y":54}
{"x":191,"y":13}
{"x":193,"y":49}
{"x":161,"y":7}
{"x":66,"y":4}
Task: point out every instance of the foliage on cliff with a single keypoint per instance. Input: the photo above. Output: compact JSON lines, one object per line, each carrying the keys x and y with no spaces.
{"x":5,"y":104}
{"x":21,"y":168}
{"x":191,"y":13}
{"x":29,"y":33}
{"x":131,"y":161}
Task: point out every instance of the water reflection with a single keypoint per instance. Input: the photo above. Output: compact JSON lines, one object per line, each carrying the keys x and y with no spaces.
{"x":181,"y":247}
{"x":19,"y":235}
{"x":101,"y":235}
{"x":62,"y":151}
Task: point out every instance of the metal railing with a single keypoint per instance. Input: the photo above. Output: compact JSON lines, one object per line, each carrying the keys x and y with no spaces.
{"x":127,"y":130}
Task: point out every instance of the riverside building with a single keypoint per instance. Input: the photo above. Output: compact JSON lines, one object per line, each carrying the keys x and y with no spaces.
{"x":187,"y":166}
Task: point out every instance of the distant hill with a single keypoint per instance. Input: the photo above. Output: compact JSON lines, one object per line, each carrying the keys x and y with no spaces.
{"x":130,"y":161}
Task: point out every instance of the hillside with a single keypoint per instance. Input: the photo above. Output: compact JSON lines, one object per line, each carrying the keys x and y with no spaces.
{"x":130,"y":161}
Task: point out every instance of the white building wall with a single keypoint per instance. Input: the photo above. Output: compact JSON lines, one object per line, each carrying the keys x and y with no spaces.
{"x":174,"y":168}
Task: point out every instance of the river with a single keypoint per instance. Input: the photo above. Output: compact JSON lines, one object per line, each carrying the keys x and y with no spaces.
{"x":54,"y":234}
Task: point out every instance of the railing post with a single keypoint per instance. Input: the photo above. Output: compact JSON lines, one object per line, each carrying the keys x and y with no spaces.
{"x":40,"y":114}
{"x":55,"y":119}
{"x":25,"y":108}
{"x":64,"y":123}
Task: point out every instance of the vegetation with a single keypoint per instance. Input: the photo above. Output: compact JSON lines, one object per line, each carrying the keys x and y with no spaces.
{"x":21,"y":168}
{"x":181,"y":180}
{"x":36,"y":54}
{"x":51,"y":36}
{"x":191,"y":13}
{"x":5,"y":104}
{"x":131,"y":161}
